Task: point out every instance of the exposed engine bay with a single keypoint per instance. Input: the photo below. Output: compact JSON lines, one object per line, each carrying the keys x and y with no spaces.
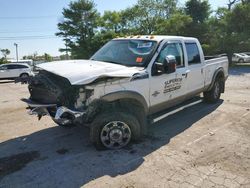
{"x":48,"y":88}
{"x":53,"y":95}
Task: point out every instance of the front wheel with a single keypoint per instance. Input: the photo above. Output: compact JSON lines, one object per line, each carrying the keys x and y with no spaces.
{"x":214,"y":94}
{"x":114,"y":130}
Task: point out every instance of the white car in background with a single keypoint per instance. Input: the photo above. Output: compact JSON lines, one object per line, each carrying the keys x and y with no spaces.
{"x":241,"y":58}
{"x":15,"y":70}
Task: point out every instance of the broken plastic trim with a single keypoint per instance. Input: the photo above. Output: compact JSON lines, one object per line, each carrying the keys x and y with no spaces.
{"x":32,"y":104}
{"x":63,"y":110}
{"x":42,"y":110}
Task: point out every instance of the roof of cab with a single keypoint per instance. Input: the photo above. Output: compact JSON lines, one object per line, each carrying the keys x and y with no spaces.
{"x":157,"y":38}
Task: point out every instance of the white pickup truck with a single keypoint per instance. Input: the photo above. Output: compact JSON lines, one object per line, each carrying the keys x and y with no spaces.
{"x":125,"y":84}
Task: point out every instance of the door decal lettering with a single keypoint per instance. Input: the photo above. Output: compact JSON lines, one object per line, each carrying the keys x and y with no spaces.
{"x":172,"y":85}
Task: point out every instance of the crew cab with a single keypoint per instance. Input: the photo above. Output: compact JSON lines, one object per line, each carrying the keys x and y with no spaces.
{"x":15,"y":70}
{"x":124,"y":84}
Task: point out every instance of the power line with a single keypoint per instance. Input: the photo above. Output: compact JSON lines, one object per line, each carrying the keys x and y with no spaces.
{"x":29,"y":37}
{"x":40,"y":31}
{"x":34,"y":36}
{"x":28,"y":17}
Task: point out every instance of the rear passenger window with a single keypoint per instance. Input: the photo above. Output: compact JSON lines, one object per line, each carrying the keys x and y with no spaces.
{"x":22,"y":67}
{"x":11,"y":66}
{"x":17,"y":67}
{"x":193,"y":53}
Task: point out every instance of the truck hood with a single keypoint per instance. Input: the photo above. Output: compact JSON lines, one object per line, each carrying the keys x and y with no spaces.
{"x":81,"y":72}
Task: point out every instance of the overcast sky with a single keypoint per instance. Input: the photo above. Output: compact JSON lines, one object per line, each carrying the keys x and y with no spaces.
{"x":25,"y":18}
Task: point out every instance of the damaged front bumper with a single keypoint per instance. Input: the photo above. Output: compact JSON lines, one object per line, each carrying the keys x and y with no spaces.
{"x":60,"y":114}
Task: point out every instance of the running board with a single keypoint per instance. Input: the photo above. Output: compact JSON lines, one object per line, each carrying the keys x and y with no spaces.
{"x":176,"y":109}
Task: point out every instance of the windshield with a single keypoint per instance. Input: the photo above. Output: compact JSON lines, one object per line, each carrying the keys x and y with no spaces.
{"x":126,"y":52}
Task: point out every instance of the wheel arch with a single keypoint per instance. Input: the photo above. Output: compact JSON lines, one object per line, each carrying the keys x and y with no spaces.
{"x":241,"y":59}
{"x":219,"y":74}
{"x":127,"y":96}
{"x":24,"y":73}
{"x":127,"y":101}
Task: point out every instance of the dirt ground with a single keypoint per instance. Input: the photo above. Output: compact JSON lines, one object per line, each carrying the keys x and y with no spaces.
{"x":203,"y":146}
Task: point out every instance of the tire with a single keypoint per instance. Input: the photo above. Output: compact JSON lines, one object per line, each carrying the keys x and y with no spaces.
{"x":24,"y":75}
{"x":114,"y":130}
{"x":214,"y":94}
{"x":241,"y":61}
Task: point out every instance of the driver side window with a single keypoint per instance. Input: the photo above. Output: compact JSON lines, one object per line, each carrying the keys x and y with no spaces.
{"x":173,"y":49}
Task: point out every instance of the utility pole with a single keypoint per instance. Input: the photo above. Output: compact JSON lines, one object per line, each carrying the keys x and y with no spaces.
{"x":15,"y":44}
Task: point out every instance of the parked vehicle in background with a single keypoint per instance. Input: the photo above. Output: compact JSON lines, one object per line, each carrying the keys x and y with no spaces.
{"x":24,"y":61}
{"x":126,"y":84}
{"x":248,"y":53}
{"x":241,"y":58}
{"x":15,"y":70}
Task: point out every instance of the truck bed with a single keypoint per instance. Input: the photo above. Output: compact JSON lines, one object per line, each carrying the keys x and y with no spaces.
{"x":213,"y":64}
{"x":215,"y":56}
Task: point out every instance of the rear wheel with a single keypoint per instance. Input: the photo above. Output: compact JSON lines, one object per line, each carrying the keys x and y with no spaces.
{"x":241,"y":60}
{"x":114,"y":130}
{"x":24,"y":75}
{"x":214,"y":94}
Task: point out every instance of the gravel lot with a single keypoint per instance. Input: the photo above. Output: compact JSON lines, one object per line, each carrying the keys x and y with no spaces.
{"x":203,"y":146}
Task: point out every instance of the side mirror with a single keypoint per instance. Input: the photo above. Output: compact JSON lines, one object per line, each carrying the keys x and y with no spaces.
{"x":167,"y":67}
{"x":170,"y":64}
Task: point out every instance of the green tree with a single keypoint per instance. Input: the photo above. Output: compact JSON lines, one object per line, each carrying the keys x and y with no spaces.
{"x":47,"y":57}
{"x":178,"y":24}
{"x":231,"y":30}
{"x":143,"y":17}
{"x":78,"y":27}
{"x":5,"y":53}
{"x":111,"y":21}
{"x":85,"y":31}
{"x":199,"y":11}
{"x":110,"y":26}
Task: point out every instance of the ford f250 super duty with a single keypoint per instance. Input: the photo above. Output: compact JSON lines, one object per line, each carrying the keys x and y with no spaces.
{"x":124,"y":84}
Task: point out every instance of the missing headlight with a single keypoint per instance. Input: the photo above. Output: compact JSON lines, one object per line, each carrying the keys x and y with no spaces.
{"x":83,"y":95}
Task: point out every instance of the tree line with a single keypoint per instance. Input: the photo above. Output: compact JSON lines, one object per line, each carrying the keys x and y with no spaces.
{"x":225,"y":30}
{"x":5,"y":53}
